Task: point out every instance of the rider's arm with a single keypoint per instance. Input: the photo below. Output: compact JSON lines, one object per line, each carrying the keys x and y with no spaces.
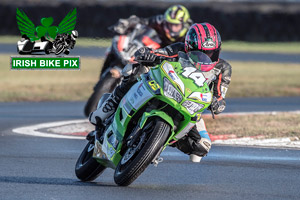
{"x":154,"y":21}
{"x":221,"y":85}
{"x":170,"y":50}
{"x":223,"y":79}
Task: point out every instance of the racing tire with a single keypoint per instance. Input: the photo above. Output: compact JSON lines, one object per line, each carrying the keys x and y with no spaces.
{"x":105,"y":85}
{"x":87,"y":168}
{"x":127,"y":172}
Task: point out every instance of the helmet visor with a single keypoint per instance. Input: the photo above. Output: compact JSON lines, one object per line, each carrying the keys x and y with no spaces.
{"x":174,"y":28}
{"x":201,"y":61}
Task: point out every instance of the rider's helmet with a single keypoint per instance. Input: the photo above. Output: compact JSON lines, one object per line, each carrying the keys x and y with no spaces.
{"x":204,"y":37}
{"x":176,"y":22}
{"x":74,"y":34}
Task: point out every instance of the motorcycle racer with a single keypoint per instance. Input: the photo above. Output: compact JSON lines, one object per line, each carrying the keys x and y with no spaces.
{"x":200,"y":37}
{"x":171,"y":27}
{"x":133,"y":33}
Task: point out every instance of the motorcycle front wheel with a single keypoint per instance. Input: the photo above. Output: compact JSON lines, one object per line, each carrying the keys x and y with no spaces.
{"x":87,"y":168}
{"x":137,"y":158}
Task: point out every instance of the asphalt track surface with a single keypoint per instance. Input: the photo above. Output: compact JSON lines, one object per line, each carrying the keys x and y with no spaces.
{"x":227,"y":55}
{"x":43,"y":168}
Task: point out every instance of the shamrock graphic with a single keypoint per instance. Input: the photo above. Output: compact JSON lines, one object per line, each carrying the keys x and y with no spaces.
{"x":46,"y":29}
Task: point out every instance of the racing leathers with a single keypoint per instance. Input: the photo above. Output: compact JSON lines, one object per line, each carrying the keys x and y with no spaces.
{"x":197,"y":141}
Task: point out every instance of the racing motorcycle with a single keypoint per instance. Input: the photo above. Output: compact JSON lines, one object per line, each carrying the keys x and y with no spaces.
{"x":119,"y":54}
{"x":157,"y":111}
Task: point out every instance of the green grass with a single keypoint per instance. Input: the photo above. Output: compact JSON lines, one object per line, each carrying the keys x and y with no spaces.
{"x":266,"y":126}
{"x":266,"y":47}
{"x":259,"y":79}
{"x":9,"y":39}
{"x":237,"y":46}
{"x":94,"y":42}
{"x":48,"y":85}
{"x":249,"y":79}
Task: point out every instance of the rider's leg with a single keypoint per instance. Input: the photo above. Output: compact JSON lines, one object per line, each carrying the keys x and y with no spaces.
{"x":197,"y":142}
{"x":112,"y":102}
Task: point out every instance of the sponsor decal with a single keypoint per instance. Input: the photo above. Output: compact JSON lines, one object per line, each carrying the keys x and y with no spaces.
{"x":171,"y":73}
{"x":139,"y":89}
{"x":223,"y":91}
{"x":111,"y":152}
{"x":207,"y":97}
{"x":136,"y":98}
{"x":168,"y":69}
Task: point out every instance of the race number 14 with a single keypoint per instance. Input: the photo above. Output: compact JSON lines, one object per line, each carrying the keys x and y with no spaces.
{"x":189,"y":72}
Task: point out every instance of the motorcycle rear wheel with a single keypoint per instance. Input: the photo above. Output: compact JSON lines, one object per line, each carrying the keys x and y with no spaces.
{"x":130,"y":167}
{"x":87,"y":168}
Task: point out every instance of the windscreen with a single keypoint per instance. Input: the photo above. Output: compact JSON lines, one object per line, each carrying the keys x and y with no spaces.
{"x":200,"y":60}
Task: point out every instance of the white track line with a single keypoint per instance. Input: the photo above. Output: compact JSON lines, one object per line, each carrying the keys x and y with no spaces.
{"x":33,"y":130}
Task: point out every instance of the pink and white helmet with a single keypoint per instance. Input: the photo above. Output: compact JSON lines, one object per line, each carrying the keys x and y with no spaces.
{"x":204,"y":37}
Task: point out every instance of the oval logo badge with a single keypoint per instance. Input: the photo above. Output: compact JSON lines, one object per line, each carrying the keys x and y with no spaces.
{"x":208,"y":44}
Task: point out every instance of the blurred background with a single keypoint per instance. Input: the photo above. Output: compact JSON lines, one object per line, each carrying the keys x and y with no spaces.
{"x":246,"y":20}
{"x":260,"y":40}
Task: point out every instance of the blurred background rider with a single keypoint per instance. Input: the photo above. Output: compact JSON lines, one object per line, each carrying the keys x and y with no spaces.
{"x":171,"y":26}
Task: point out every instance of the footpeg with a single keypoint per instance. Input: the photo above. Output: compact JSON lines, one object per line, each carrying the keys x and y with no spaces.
{"x":157,"y":161}
{"x":91,"y":136}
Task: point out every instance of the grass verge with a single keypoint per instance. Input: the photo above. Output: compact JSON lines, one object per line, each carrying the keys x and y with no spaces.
{"x":249,"y":79}
{"x":263,"y":47}
{"x":48,"y":85}
{"x":267,"y":126}
{"x":258,"y":79}
{"x":237,"y":46}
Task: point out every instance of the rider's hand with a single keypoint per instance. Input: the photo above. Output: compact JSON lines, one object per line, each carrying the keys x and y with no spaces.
{"x":217,"y":105}
{"x":145,"y":54}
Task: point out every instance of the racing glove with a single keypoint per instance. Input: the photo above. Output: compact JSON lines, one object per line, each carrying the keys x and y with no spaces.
{"x":145,"y":54}
{"x":217,"y":105}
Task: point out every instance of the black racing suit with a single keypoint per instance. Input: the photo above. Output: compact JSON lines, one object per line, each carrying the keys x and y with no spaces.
{"x":219,"y":80}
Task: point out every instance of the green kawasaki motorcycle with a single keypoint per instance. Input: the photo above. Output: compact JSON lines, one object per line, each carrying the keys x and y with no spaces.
{"x":157,"y":111}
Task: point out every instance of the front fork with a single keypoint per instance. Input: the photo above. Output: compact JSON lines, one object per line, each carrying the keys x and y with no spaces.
{"x":164,"y":116}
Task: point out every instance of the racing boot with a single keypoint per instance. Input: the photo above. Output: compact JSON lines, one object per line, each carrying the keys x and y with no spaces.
{"x":203,"y":146}
{"x":196,"y":144}
{"x":105,"y":110}
{"x":110,"y":105}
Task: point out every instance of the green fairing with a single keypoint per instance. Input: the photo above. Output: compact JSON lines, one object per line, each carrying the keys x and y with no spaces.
{"x":157,"y":75}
